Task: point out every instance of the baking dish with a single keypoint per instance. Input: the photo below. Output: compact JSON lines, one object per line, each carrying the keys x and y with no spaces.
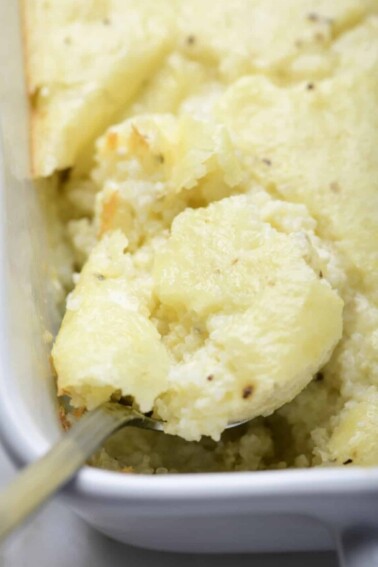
{"x":263,"y":511}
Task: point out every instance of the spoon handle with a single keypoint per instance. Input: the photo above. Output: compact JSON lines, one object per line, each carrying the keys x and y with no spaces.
{"x":42,"y":478}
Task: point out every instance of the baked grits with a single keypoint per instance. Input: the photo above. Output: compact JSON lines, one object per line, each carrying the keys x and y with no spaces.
{"x":219,"y":196}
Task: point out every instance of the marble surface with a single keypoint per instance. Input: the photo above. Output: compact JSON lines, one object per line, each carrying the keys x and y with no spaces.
{"x":58,"y":538}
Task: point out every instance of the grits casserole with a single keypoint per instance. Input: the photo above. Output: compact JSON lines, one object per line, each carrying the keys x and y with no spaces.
{"x":214,"y":181}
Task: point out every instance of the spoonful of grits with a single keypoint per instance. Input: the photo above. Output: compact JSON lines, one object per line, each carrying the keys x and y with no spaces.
{"x":224,"y":320}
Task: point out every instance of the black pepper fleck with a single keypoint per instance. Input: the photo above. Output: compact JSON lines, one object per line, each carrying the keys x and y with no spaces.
{"x":319,"y":377}
{"x":321,"y":274}
{"x":317,"y":18}
{"x":190,"y":40}
{"x":160,"y":158}
{"x":348,"y":462}
{"x":267,"y":161}
{"x":99,"y":277}
{"x":210,"y":378}
{"x":310,"y":86}
{"x":247,"y":392}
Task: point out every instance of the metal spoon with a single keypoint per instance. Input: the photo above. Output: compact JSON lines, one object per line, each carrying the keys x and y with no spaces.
{"x":43,"y":478}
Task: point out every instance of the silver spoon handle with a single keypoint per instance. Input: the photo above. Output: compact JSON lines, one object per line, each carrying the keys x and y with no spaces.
{"x":42,"y":478}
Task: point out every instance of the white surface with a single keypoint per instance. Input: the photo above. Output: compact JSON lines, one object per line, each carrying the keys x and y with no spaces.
{"x":57,"y":538}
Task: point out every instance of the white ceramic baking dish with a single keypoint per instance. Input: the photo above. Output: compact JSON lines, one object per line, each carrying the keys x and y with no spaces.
{"x":275,"y":511}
